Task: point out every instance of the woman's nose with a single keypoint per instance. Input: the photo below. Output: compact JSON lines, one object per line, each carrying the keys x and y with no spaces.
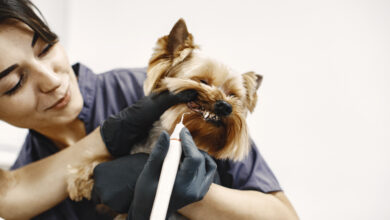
{"x":48,"y":80}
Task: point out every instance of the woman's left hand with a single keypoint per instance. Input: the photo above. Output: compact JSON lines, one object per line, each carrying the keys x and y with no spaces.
{"x":114,"y":181}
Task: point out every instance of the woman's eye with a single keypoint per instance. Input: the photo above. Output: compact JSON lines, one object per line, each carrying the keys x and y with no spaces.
{"x":45,"y":50}
{"x":16,"y":87}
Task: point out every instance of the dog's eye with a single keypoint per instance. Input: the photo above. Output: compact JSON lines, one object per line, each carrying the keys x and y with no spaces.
{"x":204,"y":81}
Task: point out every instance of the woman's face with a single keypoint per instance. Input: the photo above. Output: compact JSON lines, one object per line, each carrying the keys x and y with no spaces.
{"x":38,"y":88}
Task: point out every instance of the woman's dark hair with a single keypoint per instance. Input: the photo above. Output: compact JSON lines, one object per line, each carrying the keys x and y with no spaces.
{"x":24,"y":11}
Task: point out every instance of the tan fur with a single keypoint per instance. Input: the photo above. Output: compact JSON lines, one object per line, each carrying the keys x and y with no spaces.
{"x":80,"y":180}
{"x":251,"y":83}
{"x":177,"y":66}
{"x":5,"y":182}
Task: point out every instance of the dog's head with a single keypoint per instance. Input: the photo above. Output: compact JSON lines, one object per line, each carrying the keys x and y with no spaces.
{"x":216,"y":119}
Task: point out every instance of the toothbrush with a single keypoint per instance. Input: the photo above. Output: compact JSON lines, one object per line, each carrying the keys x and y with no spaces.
{"x":168,"y":175}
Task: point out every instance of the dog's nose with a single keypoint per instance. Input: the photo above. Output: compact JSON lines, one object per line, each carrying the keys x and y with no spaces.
{"x":222,"y":108}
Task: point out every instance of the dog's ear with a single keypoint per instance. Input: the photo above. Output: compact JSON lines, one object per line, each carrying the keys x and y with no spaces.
{"x":177,"y":37}
{"x":252,"y":83}
{"x":170,"y":50}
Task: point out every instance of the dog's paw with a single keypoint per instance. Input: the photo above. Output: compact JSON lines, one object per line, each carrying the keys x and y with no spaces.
{"x":80,"y":182}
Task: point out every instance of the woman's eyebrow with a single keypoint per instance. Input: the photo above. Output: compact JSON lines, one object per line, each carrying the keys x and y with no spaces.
{"x":5,"y":72}
{"x":34,"y":40}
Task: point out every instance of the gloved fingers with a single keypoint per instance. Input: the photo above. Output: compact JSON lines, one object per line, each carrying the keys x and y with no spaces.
{"x":190,"y":150}
{"x":210,"y":169}
{"x":168,"y":99}
{"x":193,"y":163}
{"x":128,"y":162}
{"x":186,"y":95}
{"x":217,"y":179}
{"x":156,"y":158}
{"x":131,"y":213}
{"x":211,"y":166}
{"x":95,"y":196}
{"x":161,"y":148}
{"x":115,"y":180}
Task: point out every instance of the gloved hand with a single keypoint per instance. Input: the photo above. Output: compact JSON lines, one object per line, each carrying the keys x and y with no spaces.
{"x":193,"y":180}
{"x":122,"y":131}
{"x":114,"y":181}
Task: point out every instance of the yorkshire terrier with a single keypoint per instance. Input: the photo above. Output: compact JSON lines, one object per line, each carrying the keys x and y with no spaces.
{"x":216,"y":119}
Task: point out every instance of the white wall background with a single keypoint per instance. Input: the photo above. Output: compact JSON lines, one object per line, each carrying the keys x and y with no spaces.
{"x":323,"y":120}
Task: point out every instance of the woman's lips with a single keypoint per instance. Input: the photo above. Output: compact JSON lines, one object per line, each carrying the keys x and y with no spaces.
{"x":62,"y":102}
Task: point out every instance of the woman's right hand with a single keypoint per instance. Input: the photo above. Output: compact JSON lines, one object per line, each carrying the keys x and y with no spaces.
{"x":195,"y":174}
{"x":131,"y":125}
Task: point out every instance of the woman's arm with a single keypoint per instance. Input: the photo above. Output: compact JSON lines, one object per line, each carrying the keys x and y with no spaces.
{"x":224,"y":203}
{"x":39,"y":186}
{"x":34,"y":188}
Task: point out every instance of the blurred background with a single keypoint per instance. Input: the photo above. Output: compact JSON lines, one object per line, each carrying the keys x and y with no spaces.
{"x":322,"y":122}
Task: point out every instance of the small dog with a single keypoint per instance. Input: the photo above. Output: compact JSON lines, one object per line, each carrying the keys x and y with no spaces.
{"x":216,"y":119}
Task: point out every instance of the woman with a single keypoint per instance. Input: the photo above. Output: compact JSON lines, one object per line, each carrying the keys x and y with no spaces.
{"x":39,"y":90}
{"x":61,"y":104}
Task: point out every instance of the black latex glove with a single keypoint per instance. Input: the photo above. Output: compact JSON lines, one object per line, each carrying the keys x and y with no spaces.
{"x":193,"y":180}
{"x":115,"y":181}
{"x":122,"y":131}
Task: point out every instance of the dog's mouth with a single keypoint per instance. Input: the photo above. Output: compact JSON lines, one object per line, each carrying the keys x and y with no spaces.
{"x":207,"y":115}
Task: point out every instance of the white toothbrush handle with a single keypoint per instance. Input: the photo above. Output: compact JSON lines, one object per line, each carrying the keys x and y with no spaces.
{"x":167,"y":180}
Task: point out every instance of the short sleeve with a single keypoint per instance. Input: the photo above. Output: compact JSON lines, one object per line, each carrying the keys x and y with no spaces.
{"x":107,"y":93}
{"x":122,"y":85}
{"x":252,"y":173}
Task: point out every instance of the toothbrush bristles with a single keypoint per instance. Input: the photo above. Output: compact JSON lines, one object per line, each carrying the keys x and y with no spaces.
{"x":182,"y":117}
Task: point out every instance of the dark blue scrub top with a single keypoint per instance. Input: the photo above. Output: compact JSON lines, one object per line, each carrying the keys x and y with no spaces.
{"x":106,"y":94}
